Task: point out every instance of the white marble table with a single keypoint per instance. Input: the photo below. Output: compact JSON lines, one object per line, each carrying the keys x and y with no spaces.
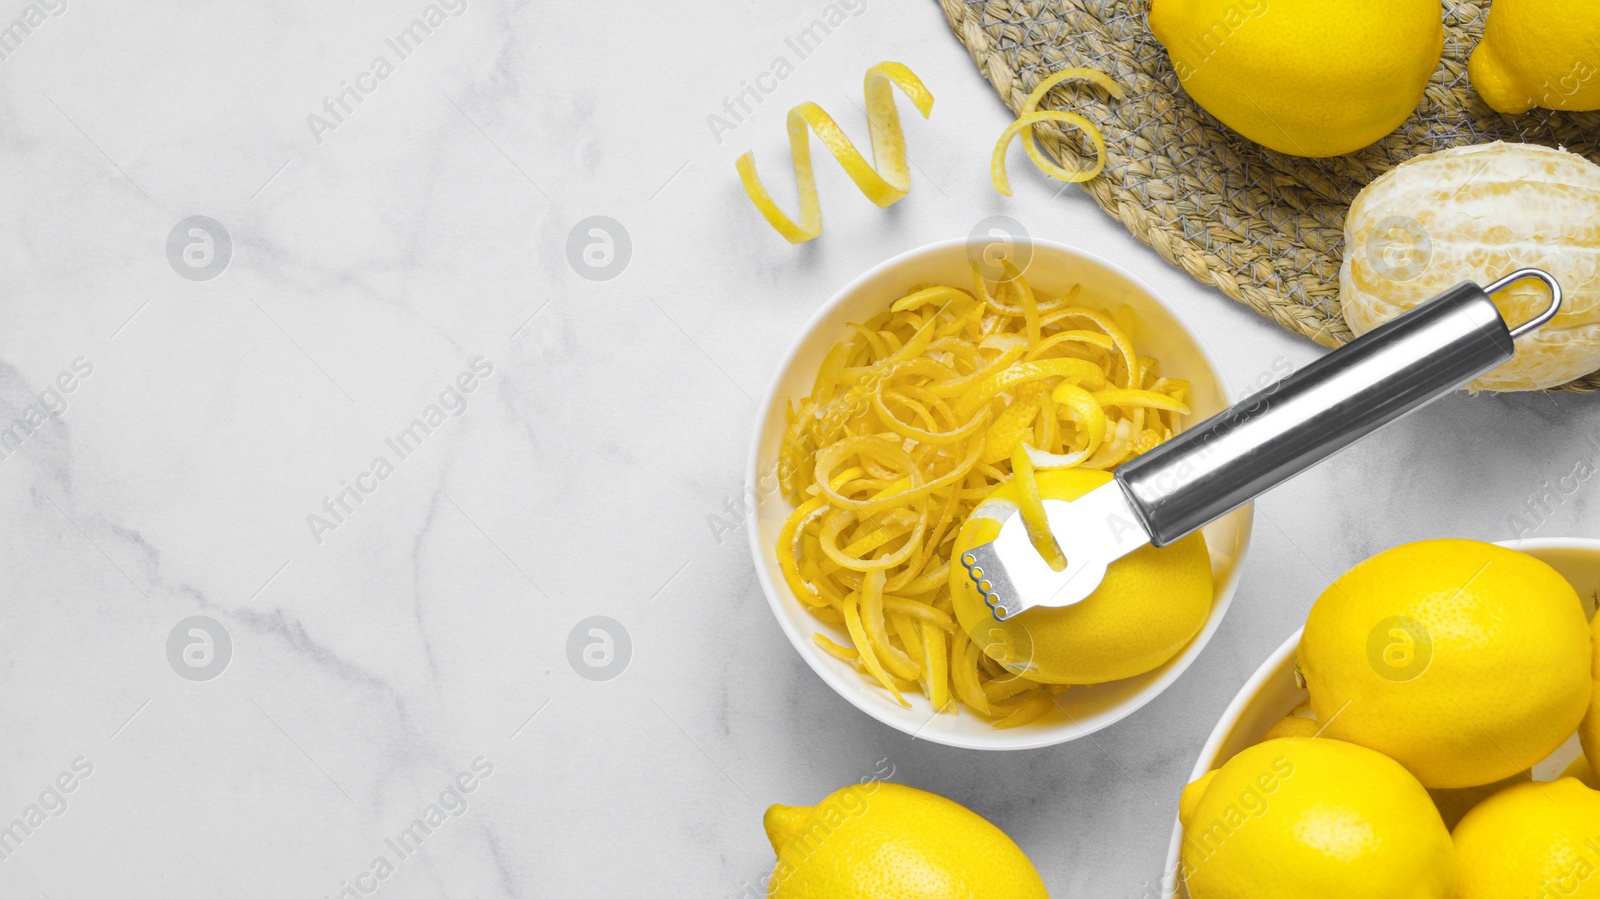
{"x":385,"y":609}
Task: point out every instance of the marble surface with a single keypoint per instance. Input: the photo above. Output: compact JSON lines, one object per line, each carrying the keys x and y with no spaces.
{"x":259,"y":623}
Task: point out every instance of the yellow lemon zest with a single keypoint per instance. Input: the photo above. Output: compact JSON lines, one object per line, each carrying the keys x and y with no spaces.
{"x":1074,"y":369}
{"x":1031,"y":505}
{"x":844,"y":653}
{"x":869,"y":660}
{"x":1089,"y":411}
{"x":884,"y":181}
{"x":1149,"y":399}
{"x":1031,"y":115}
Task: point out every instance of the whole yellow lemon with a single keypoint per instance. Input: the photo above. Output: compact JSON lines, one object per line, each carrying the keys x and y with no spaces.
{"x":1464,"y":661}
{"x":1304,"y":77}
{"x":1539,"y":53}
{"x":1292,"y":818}
{"x":1532,"y":840}
{"x":886,"y":841}
{"x":1150,"y":605}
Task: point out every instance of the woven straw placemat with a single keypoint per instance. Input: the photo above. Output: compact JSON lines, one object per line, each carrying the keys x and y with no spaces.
{"x":1264,"y":228}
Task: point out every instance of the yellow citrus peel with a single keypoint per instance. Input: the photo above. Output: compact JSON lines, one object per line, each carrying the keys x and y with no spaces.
{"x":1032,"y":509}
{"x":1031,"y":115}
{"x":884,"y":181}
{"x":912,"y":421}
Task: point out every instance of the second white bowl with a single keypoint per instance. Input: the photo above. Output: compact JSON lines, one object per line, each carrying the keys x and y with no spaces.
{"x":1271,"y":693}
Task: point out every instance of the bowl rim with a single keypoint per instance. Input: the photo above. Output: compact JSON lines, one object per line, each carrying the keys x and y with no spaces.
{"x":852,"y":692}
{"x":1258,"y":679}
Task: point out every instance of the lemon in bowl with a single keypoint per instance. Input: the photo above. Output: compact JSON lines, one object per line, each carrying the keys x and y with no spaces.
{"x":1052,"y":270}
{"x":1464,"y":661}
{"x":1292,"y":817}
{"x":1532,"y":839}
{"x":1150,"y":605}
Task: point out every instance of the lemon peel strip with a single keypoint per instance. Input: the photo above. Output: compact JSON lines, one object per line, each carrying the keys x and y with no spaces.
{"x":910,"y":638}
{"x":1031,"y":505}
{"x":1030,"y":142}
{"x":852,"y":620}
{"x":1031,"y":115}
{"x":884,"y":184}
{"x":1148,"y":399}
{"x":789,"y":536}
{"x":873,"y":622}
{"x":1089,"y":411}
{"x":1072,"y":369}
{"x":964,"y":673}
{"x":936,"y":671}
{"x":843,"y":653}
{"x":1028,"y":712}
{"x":997,"y":163}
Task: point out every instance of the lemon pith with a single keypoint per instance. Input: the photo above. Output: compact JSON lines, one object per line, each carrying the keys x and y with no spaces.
{"x":1475,"y":213}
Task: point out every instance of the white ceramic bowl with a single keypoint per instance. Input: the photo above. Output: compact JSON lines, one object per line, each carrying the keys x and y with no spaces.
{"x":1271,"y":693}
{"x":1053,"y":269}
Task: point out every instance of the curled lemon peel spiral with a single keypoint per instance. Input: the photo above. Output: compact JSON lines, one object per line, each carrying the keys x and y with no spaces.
{"x":884,"y":181}
{"x":913,"y":420}
{"x":1031,"y":115}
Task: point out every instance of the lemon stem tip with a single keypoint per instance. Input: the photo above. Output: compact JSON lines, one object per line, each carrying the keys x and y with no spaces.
{"x":783,"y":823}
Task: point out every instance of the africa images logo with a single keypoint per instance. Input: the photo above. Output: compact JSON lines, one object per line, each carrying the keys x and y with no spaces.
{"x":199,"y":248}
{"x":599,"y":648}
{"x":199,"y":648}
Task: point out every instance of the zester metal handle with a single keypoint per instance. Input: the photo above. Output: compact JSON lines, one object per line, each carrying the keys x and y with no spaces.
{"x":1229,"y":459}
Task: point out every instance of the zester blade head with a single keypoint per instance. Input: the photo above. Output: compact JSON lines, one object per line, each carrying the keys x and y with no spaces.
{"x":1093,"y":531}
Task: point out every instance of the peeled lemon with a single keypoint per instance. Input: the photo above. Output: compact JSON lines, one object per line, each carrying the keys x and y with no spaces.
{"x":1292,"y":818}
{"x":1304,"y":77}
{"x":1464,"y":661}
{"x":886,"y":841}
{"x":1532,"y":840}
{"x":1539,"y":53}
{"x":1478,"y":213}
{"x":1150,"y":605}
